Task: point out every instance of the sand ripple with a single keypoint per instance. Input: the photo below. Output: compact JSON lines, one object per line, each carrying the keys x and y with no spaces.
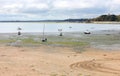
{"x":97,"y":65}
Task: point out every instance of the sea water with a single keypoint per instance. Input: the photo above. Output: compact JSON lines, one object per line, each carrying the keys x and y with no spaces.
{"x":11,"y":27}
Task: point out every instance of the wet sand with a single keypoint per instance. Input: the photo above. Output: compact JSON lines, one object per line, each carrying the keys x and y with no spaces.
{"x":73,"y":54}
{"x":58,"y":61}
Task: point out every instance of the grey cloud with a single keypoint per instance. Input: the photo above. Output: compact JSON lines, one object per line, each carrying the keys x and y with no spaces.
{"x":51,"y":9}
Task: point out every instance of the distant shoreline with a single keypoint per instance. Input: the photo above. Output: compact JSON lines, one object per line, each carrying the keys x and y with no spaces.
{"x":105,"y":22}
{"x":94,"y":22}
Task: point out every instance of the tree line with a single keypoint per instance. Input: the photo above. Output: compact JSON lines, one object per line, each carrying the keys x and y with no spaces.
{"x":107,"y":18}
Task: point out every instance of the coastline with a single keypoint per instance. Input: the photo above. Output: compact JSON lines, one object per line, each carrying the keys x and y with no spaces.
{"x":105,"y":22}
{"x":94,"y":22}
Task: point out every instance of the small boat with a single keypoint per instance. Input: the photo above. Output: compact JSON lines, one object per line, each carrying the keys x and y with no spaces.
{"x":70,"y":27}
{"x":19,"y":29}
{"x":44,"y":39}
{"x":60,"y":30}
{"x":19,"y":33}
{"x":87,"y":32}
{"x":61,"y":34}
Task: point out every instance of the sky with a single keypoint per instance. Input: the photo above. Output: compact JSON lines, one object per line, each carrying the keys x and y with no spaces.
{"x":56,"y":9}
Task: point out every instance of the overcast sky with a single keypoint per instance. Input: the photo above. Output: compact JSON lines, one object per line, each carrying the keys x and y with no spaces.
{"x":56,"y":9}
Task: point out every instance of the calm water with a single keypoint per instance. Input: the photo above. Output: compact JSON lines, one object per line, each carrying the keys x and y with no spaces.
{"x":11,"y":27}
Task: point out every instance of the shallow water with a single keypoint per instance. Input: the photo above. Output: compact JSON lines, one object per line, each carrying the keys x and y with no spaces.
{"x":11,"y":27}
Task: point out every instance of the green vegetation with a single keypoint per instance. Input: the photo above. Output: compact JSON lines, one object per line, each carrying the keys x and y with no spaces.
{"x":6,"y":41}
{"x":83,"y":40}
{"x":73,"y":43}
{"x":78,"y":41}
{"x":29,"y":41}
{"x":107,"y":18}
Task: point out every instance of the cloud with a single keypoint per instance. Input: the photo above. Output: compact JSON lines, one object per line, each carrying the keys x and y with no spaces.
{"x":73,"y":4}
{"x":56,"y":9}
{"x":35,"y":8}
{"x":114,"y":6}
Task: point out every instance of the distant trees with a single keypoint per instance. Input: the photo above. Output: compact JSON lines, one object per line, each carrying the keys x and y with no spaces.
{"x":76,"y":20}
{"x":107,"y":18}
{"x":118,"y":17}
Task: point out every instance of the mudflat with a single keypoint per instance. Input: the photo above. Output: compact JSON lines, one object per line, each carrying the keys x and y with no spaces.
{"x":73,"y":54}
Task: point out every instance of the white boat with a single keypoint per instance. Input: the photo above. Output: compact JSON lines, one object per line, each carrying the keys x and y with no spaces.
{"x":87,"y":32}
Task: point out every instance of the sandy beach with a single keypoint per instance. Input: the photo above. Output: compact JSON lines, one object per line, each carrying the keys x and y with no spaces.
{"x":58,"y":61}
{"x":73,"y":54}
{"x":59,"y":37}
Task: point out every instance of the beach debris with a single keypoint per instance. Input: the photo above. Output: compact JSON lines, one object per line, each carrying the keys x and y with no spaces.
{"x":104,"y":55}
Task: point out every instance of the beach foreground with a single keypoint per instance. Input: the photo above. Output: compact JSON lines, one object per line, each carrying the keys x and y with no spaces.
{"x":58,"y":61}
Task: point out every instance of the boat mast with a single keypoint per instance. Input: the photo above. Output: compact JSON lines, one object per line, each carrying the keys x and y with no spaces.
{"x":44,"y":39}
{"x":44,"y":31}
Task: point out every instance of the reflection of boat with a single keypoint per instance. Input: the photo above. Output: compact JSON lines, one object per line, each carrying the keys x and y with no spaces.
{"x":70,"y":27}
{"x":19,"y":28}
{"x":60,"y":30}
{"x":19,"y":33}
{"x":87,"y":32}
